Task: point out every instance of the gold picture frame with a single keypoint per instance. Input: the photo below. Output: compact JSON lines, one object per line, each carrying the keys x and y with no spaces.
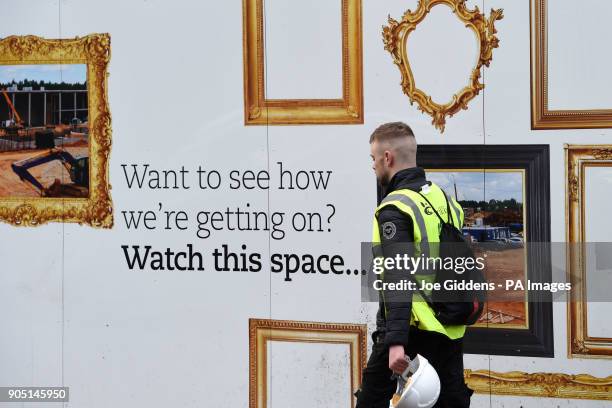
{"x":577,"y":159}
{"x":395,"y":37}
{"x":542,"y":385}
{"x":97,"y":209}
{"x":541,"y":116}
{"x":264,"y":330}
{"x":258,"y":110}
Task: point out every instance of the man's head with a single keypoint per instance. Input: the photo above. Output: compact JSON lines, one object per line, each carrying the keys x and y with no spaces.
{"x":392,"y":148}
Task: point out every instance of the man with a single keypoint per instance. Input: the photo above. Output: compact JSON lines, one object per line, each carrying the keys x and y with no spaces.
{"x":405,"y":224}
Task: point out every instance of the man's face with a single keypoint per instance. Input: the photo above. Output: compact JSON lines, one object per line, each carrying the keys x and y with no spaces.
{"x":380,"y":162}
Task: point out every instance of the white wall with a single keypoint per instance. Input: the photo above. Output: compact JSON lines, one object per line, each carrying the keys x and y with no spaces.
{"x":75,"y":315}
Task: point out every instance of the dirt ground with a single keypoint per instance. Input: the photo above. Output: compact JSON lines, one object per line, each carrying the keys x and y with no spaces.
{"x":502,"y":265}
{"x":12,"y":186}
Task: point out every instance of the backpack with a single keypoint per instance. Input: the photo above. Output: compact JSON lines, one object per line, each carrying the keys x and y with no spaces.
{"x":455,"y":307}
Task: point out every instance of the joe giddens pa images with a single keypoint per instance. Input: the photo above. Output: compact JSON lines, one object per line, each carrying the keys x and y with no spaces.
{"x":459,"y":265}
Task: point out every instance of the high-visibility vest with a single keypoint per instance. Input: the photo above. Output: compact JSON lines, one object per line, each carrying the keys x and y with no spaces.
{"x":426,"y":227}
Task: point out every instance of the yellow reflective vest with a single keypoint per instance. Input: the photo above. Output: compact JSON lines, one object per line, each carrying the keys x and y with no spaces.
{"x":426,"y":229}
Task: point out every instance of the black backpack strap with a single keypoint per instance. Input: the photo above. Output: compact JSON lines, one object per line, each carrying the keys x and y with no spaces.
{"x":450,"y":219}
{"x":423,"y":295}
{"x":448,"y":210}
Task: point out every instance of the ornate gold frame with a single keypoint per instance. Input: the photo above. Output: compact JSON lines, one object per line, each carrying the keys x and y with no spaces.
{"x":395,"y":37}
{"x":93,"y":50}
{"x":577,"y":158}
{"x":541,"y":116}
{"x":263,"y":330}
{"x":545,"y":385}
{"x":258,"y":110}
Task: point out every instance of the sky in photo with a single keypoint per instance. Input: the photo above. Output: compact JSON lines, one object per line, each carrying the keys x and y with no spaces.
{"x":479,"y":185}
{"x":71,"y":73}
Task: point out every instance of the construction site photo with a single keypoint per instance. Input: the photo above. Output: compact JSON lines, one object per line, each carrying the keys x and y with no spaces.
{"x":494,"y":222}
{"x":44,"y":131}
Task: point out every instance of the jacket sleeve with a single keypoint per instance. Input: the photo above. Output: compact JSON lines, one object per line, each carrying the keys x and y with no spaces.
{"x":397,"y":236}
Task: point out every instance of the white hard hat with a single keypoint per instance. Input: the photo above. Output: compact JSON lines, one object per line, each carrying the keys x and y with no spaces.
{"x":418,"y":386}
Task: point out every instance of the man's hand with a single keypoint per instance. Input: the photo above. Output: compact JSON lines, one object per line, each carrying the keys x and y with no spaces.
{"x":397,"y":361}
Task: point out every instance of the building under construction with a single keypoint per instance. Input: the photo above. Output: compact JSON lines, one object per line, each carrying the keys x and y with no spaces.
{"x":43,"y":107}
{"x":29,"y":115}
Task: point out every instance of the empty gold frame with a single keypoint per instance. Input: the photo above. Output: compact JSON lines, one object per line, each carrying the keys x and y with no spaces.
{"x":258,"y":110}
{"x":578,"y":158}
{"x":395,"y":37}
{"x":97,"y":208}
{"x":541,"y":116}
{"x":263,"y":330}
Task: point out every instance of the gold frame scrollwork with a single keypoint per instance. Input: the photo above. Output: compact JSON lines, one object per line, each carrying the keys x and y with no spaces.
{"x":541,"y":116}
{"x":259,"y":110}
{"x":577,"y":159}
{"x":94,"y":51}
{"x":543,"y":385}
{"x":263,"y":330}
{"x":395,"y":37}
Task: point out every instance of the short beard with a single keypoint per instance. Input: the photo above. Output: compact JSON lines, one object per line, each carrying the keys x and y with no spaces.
{"x":384,"y":180}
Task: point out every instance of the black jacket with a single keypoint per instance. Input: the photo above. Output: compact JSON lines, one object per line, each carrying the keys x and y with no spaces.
{"x":396,"y":322}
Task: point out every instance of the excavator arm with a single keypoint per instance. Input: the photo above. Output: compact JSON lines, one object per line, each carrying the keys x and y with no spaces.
{"x":77,"y":168}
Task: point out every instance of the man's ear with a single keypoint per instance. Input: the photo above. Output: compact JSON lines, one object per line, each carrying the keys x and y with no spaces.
{"x":388,"y":158}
